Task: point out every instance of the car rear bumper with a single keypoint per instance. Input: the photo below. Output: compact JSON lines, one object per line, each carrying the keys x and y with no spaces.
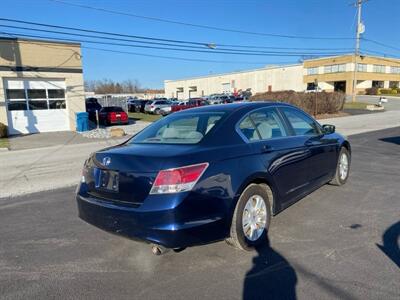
{"x":162,"y":227}
{"x":118,"y":122}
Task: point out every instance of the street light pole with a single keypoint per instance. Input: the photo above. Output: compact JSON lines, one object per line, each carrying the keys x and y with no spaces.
{"x":359,"y":30}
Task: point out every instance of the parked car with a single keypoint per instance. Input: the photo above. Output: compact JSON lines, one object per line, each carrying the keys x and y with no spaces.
{"x":92,"y":105}
{"x":155,"y":106}
{"x":194,"y":102}
{"x":211,"y":173}
{"x":168,"y":109}
{"x":111,"y":115}
{"x":137,"y":105}
{"x":219,"y":99}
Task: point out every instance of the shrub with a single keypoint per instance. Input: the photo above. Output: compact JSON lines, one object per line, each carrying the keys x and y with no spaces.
{"x":3,"y":130}
{"x":371,"y":91}
{"x":327,"y":103}
{"x":385,"y":91}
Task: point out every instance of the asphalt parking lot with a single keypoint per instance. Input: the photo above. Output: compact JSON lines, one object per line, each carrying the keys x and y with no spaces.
{"x":339,"y":242}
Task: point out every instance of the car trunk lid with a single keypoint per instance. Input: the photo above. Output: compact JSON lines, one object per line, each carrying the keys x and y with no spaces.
{"x":126,"y":173}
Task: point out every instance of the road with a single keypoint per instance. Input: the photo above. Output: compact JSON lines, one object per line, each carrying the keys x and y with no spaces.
{"x":393,"y":101}
{"x":323,"y":247}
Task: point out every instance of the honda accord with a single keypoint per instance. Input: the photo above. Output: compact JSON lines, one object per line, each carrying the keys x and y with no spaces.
{"x":211,"y":173}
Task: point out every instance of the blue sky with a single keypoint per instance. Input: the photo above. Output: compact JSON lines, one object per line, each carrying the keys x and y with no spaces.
{"x":330,"y":18}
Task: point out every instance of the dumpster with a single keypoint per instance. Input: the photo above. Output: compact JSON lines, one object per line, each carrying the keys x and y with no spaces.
{"x":82,"y":121}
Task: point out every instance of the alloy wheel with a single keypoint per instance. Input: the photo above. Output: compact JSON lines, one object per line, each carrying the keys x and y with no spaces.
{"x":254,"y":218}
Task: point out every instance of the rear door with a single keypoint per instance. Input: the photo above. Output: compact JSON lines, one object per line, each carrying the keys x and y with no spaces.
{"x":322,"y":148}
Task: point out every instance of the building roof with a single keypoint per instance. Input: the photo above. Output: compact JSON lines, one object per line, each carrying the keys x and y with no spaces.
{"x":235,"y":72}
{"x":44,"y":41}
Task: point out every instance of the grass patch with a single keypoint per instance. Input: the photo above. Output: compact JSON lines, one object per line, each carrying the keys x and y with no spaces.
{"x":4,"y":143}
{"x":355,"y":105}
{"x":389,"y":95}
{"x":144,"y":117}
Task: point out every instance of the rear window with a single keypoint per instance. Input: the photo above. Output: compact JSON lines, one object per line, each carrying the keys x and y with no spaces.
{"x":179,"y":129}
{"x":113,"y":109}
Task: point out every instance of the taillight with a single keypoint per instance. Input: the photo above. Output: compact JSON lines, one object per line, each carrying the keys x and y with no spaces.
{"x":178,"y":180}
{"x":112,"y":116}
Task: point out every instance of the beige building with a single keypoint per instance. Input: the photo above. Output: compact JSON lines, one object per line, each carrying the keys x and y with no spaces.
{"x":337,"y":73}
{"x":41,"y":85}
{"x":334,"y":73}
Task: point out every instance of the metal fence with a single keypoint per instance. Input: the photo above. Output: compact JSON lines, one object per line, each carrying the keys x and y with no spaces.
{"x":114,"y":101}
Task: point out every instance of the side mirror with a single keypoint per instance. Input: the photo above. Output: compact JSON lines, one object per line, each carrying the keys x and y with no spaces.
{"x":328,"y":129}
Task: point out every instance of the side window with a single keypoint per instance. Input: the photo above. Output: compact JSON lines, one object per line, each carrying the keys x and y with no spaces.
{"x":301,"y":123}
{"x":268,"y":124}
{"x":248,"y":130}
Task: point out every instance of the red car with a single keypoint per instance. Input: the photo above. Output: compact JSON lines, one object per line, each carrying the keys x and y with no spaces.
{"x":194,"y":102}
{"x":111,"y":115}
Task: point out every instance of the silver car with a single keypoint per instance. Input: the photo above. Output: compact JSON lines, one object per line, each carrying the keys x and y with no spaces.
{"x":167,"y":110}
{"x":155,"y":106}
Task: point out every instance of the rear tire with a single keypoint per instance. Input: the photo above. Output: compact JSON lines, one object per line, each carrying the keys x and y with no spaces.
{"x":342,"y":168}
{"x":253,"y":209}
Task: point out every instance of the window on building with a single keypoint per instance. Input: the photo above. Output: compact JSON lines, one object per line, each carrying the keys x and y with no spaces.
{"x":377,"y":84}
{"x":328,"y":69}
{"x":361,"y":67}
{"x":312,"y":71}
{"x":35,"y":99}
{"x":379,"y":69}
{"x":335,"y":68}
{"x":395,"y":70}
{"x":393,"y":84}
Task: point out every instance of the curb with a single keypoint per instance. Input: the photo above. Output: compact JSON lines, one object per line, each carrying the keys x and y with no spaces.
{"x":4,"y":149}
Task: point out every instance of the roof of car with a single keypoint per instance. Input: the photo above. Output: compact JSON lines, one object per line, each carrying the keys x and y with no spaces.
{"x":230,"y":107}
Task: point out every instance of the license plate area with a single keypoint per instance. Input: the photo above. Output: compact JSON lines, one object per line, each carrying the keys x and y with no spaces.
{"x":106,"y":180}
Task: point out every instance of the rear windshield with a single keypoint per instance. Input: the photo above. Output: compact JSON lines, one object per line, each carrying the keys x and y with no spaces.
{"x":179,"y":129}
{"x":113,"y":109}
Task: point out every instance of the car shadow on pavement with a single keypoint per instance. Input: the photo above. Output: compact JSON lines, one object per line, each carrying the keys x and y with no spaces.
{"x":393,"y":140}
{"x":390,"y":246}
{"x":271,"y":276}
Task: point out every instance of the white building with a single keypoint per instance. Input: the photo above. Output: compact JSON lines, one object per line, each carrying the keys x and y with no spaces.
{"x":269,"y":78}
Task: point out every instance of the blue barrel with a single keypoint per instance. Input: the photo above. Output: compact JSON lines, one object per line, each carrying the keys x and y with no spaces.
{"x":82,"y":121}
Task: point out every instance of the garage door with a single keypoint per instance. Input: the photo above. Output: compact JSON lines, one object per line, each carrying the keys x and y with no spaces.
{"x":36,"y":106}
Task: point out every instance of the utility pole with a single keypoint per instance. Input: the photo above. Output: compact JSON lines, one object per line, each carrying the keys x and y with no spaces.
{"x":359,"y":30}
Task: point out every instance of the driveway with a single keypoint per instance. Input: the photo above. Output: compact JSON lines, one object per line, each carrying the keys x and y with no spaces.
{"x":338,"y":242}
{"x":393,"y":102}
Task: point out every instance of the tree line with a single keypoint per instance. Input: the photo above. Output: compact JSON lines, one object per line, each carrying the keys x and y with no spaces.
{"x":108,"y":86}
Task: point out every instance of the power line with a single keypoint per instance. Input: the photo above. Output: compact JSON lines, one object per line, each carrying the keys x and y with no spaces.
{"x":172,"y":49}
{"x":199,"y":25}
{"x":381,"y":44}
{"x":151,"y":55}
{"x":141,"y":42}
{"x":186,"y":59}
{"x":155,"y":38}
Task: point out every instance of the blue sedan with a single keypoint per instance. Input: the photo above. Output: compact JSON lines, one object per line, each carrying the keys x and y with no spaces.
{"x":211,"y":173}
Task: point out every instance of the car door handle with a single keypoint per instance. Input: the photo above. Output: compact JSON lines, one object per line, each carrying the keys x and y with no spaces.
{"x":311,"y":143}
{"x":267,"y":149}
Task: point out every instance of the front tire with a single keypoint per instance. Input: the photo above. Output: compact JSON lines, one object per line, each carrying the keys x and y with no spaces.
{"x":251,"y":218}
{"x":342,"y":168}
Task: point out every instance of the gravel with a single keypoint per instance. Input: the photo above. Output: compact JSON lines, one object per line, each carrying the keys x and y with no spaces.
{"x":105,"y":132}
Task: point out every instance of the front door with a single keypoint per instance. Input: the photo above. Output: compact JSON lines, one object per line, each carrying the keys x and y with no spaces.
{"x":322,"y":149}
